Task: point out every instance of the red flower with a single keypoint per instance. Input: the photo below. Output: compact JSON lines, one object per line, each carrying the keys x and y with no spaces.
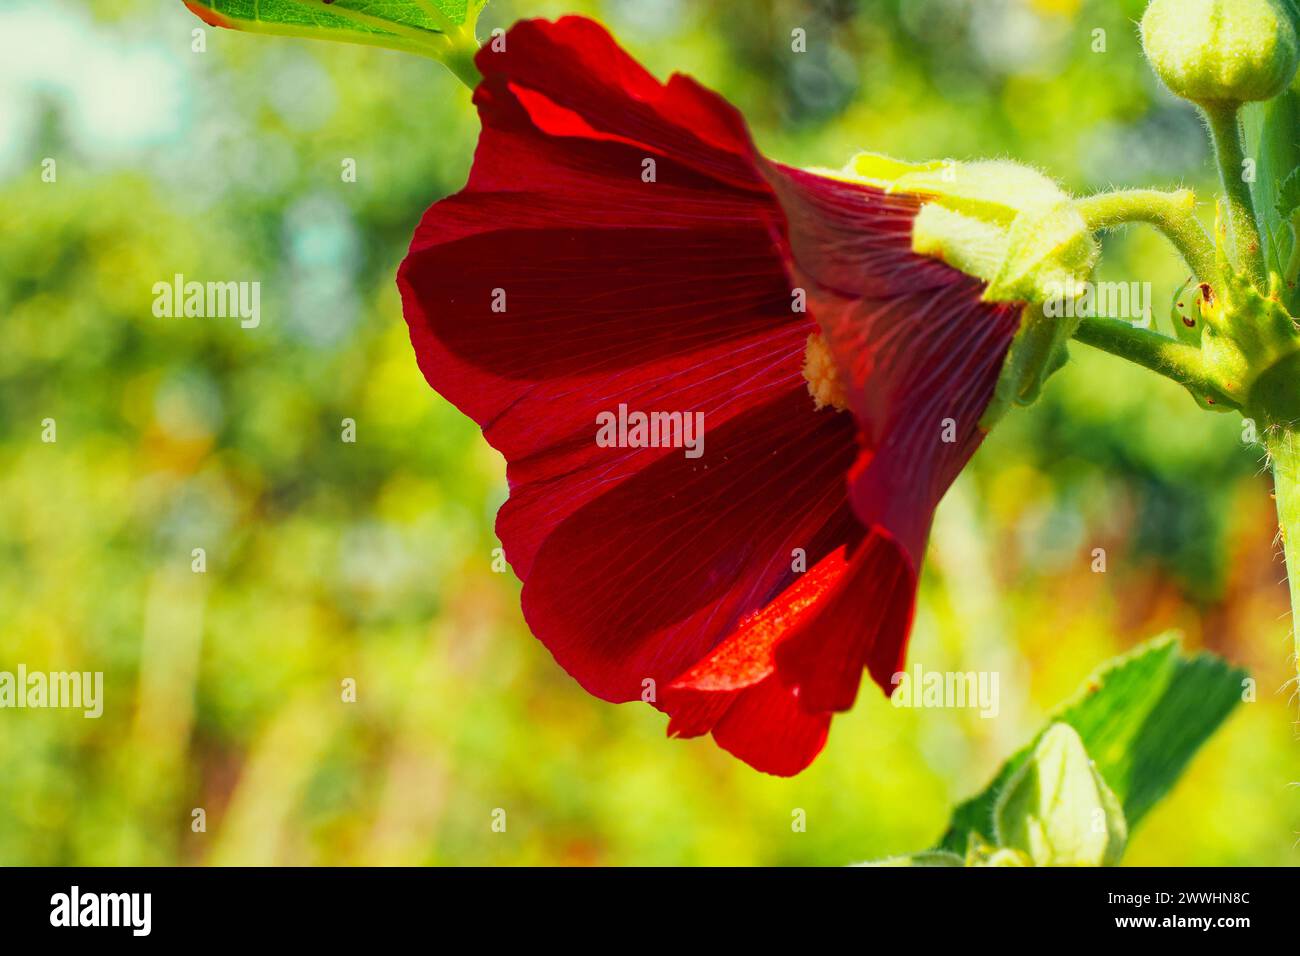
{"x":565,"y":281}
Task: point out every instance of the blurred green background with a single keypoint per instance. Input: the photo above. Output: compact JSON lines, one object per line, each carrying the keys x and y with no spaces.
{"x":373,"y":560}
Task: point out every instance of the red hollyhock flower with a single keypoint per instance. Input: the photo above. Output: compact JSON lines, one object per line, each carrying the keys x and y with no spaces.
{"x":565,"y":281}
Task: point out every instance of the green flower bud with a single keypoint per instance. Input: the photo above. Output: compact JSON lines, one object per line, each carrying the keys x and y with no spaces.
{"x":1057,"y":810}
{"x":1221,"y":52}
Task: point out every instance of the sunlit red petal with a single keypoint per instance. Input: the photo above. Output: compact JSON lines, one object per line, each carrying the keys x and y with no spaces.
{"x":801,"y":657}
{"x":736,"y":695}
{"x":763,"y":725}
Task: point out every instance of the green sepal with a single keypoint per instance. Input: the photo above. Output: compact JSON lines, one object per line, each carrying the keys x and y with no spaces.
{"x":970,"y":245}
{"x":996,"y":192}
{"x":875,"y":169}
{"x":1047,"y":252}
{"x":1251,"y":345}
{"x":1039,"y":350}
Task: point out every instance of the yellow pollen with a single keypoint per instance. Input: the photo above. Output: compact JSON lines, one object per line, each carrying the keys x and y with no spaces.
{"x":822,"y":376}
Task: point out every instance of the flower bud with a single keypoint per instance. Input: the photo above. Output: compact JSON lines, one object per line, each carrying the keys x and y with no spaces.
{"x":1221,"y":52}
{"x":1057,"y":810}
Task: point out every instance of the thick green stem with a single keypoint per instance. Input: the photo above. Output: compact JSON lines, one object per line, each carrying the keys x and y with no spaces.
{"x":1225,"y":128}
{"x":459,"y":58}
{"x":1159,"y":353}
{"x":1284,"y":447}
{"x":1172,"y":213}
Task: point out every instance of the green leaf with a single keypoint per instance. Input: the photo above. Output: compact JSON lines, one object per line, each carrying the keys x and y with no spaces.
{"x":1288,"y":196}
{"x":1057,"y":810}
{"x":1284,"y":449}
{"x":1141,"y":718}
{"x":1273,"y":138}
{"x":422,"y":26}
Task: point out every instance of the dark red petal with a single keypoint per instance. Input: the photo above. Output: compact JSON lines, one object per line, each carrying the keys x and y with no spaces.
{"x":763,"y":725}
{"x":666,"y":295}
{"x":647,"y":578}
{"x":915,"y":344}
{"x":669,"y":295}
{"x":574,"y":65}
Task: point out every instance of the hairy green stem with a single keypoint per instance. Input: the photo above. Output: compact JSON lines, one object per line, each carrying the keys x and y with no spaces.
{"x":1159,"y":353}
{"x":1284,"y":448}
{"x":1225,"y":128}
{"x":1172,"y":213}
